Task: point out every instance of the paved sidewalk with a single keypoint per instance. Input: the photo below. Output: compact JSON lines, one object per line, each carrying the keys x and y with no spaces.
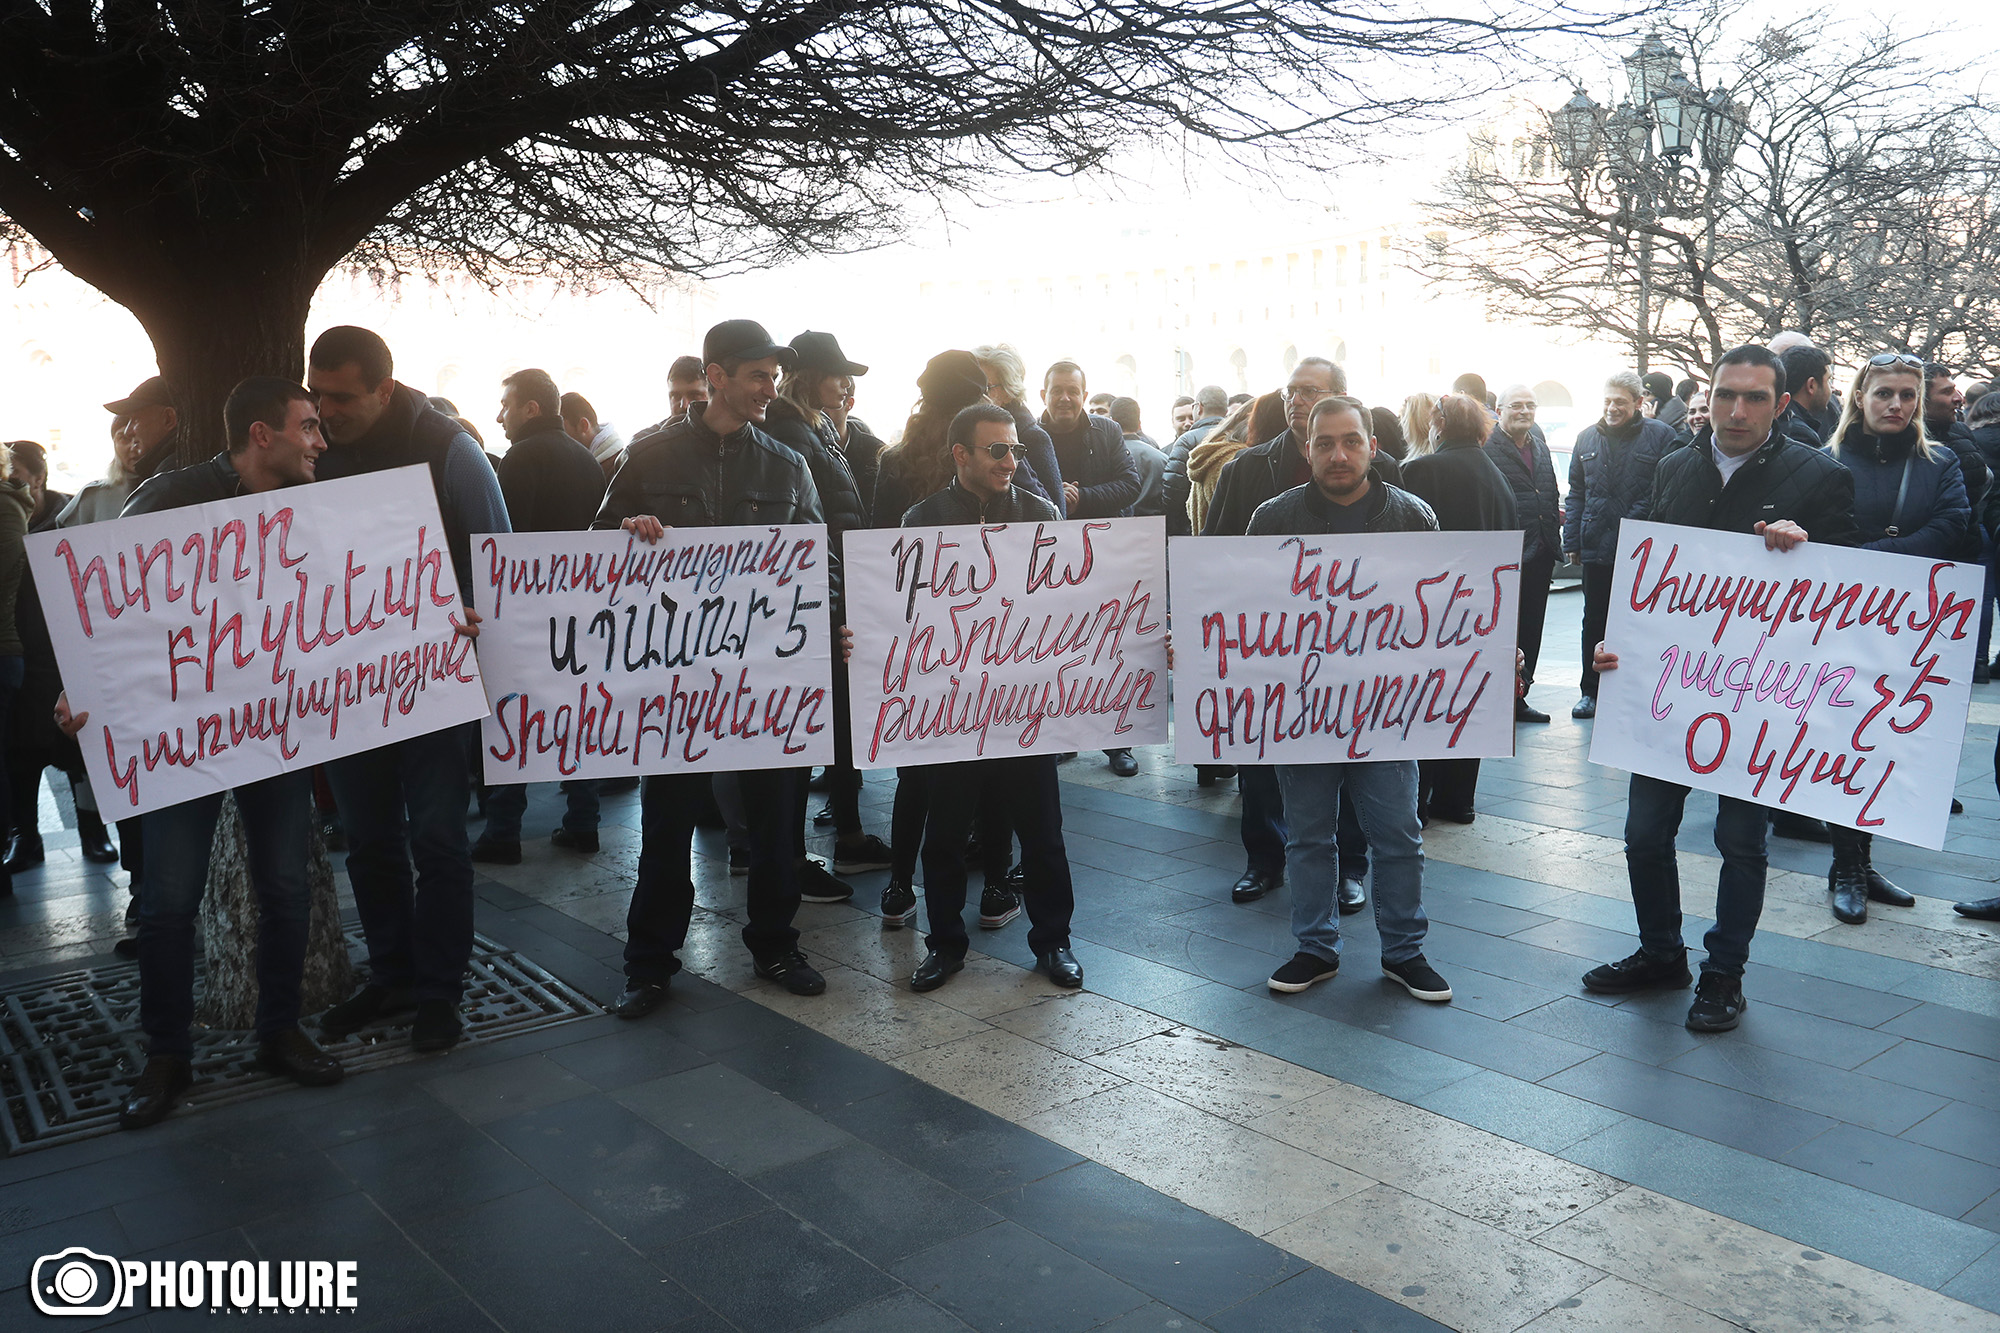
{"x":1177,"y":1147}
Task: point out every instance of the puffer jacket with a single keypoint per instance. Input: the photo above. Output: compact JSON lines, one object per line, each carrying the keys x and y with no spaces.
{"x":1611,"y":480}
{"x":1784,"y":480}
{"x":1303,"y":510}
{"x":1934,"y":515}
{"x":1537,"y":502}
{"x":1175,"y":484}
{"x":955,"y":505}
{"x":1107,"y":480}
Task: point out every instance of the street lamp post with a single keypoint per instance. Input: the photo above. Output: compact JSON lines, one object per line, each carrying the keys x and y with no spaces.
{"x":1648,"y":155}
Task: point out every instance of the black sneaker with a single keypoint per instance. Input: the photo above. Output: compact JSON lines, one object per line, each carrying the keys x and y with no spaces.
{"x":1718,"y":1003}
{"x":365,"y":1006}
{"x":1303,"y":971}
{"x":437,"y":1026}
{"x":999,"y":903}
{"x":1641,"y":971}
{"x":793,"y":972}
{"x":497,"y":851}
{"x":1419,"y":978}
{"x":739,"y":862}
{"x":817,"y":884}
{"x":899,"y":905}
{"x":862,"y":855}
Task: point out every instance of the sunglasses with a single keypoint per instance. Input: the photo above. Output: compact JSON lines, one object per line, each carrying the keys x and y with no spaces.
{"x":999,"y":449}
{"x":1896,"y":359}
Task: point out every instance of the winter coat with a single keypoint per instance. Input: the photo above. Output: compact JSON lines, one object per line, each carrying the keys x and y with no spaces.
{"x":551,"y":482}
{"x":1303,"y":511}
{"x":1610,"y":480}
{"x":1673,"y":412}
{"x":1152,"y":467}
{"x":1934,"y":514}
{"x":1175,"y":485}
{"x":1957,"y":437}
{"x":687,"y":476}
{"x":1800,"y":424}
{"x":1261,"y":472}
{"x":1537,"y":501}
{"x":1045,"y":475}
{"x":15,"y":506}
{"x":1463,"y":487}
{"x":1784,"y":480}
{"x":832,"y":472}
{"x":955,"y":505}
{"x":1987,"y":441}
{"x":1099,"y":466}
{"x":1203,"y":469}
{"x":864,"y":457}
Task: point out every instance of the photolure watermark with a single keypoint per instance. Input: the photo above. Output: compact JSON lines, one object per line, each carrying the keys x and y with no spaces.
{"x":77,"y":1281}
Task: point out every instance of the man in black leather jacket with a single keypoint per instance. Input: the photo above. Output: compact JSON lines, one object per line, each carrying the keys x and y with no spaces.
{"x":715,"y":468}
{"x":983,"y":447}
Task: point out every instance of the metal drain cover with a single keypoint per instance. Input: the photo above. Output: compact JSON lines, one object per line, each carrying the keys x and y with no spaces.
{"x":70,"y":1045}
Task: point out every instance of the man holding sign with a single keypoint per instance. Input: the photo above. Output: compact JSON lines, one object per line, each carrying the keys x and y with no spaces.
{"x":1342,"y":498}
{"x":274,"y":441}
{"x":1738,"y":476}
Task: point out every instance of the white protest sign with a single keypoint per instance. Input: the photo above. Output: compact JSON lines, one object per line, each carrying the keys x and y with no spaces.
{"x":708,"y":651}
{"x":222,"y":643}
{"x":1023,"y":638}
{"x":1823,"y":679}
{"x":1341,"y":649}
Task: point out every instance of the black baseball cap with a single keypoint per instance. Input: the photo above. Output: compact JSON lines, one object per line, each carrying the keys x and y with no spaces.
{"x":746,"y":340}
{"x":150,"y":393}
{"x":821,"y":352}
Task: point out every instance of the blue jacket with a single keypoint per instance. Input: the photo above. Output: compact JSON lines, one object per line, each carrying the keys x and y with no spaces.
{"x":1610,"y":480}
{"x":1935,"y":511}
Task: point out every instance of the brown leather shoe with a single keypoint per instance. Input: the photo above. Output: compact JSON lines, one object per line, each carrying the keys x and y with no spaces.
{"x":291,"y":1054}
{"x":159,"y":1089}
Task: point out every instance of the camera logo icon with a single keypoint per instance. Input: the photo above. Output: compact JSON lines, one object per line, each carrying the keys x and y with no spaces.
{"x":78,"y":1281}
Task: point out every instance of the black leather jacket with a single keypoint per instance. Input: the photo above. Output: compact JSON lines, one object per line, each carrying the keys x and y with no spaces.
{"x":182,"y":486}
{"x":1303,"y":510}
{"x":687,"y":476}
{"x":954,"y":504}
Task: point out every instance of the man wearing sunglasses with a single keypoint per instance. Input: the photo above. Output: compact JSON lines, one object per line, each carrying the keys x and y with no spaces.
{"x":986,"y":452}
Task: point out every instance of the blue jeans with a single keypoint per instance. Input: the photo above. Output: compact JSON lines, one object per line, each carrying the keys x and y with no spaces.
{"x":1652,"y":819}
{"x":1263,"y":818}
{"x":277,"y":821}
{"x":505,"y":806}
{"x":1384,"y":797}
{"x":404,"y":805}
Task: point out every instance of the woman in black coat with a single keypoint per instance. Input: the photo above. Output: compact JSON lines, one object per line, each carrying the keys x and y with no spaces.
{"x":1468,"y":494}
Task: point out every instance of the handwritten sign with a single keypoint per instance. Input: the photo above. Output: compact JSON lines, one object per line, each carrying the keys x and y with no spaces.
{"x":1316,"y":650}
{"x":223,"y":643}
{"x":710,"y":651}
{"x":1826,"y":680}
{"x":1026,"y":638}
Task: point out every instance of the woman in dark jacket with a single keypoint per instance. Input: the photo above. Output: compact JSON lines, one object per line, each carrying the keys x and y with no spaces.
{"x":1467,"y":493}
{"x":1909,"y":499}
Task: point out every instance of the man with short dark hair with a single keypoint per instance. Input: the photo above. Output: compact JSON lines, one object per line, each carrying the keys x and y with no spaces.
{"x":687,"y":387}
{"x":1100,"y":479}
{"x":715,"y":468}
{"x":1812,"y":417}
{"x":403,"y":805}
{"x":604,"y":440}
{"x":1667,"y":406}
{"x":1740,"y":475}
{"x":1944,"y":407}
{"x":986,"y":452}
{"x":1146,"y":457}
{"x":1517,"y":448}
{"x":1209,"y":405}
{"x":274,"y":441}
{"x":551,"y":484}
{"x":1183,"y":414}
{"x":1342,"y":497}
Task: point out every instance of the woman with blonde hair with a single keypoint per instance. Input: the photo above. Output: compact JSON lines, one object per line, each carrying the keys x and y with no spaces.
{"x":1909,"y":499}
{"x":1418,"y":414}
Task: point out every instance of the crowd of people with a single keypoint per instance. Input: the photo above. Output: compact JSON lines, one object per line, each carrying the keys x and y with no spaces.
{"x":762,"y":432}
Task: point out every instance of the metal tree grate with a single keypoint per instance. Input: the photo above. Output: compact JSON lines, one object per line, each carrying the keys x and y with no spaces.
{"x":70,"y":1045}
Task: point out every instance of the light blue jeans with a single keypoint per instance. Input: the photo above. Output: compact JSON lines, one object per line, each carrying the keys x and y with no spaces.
{"x":1385,"y":799}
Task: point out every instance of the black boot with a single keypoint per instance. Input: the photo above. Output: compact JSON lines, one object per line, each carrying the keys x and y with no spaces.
{"x":93,"y":839}
{"x":1880,"y":888}
{"x":1848,"y":879}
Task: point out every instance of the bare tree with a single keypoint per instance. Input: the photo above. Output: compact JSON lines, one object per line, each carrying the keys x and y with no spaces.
{"x":1845,"y":190}
{"x":205,"y":162}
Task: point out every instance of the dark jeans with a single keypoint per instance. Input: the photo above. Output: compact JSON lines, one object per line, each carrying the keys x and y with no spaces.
{"x":403,"y":808}
{"x":1029,"y":787}
{"x":1652,"y":818}
{"x":656,"y":923}
{"x":505,"y":806}
{"x":1535,"y":575}
{"x":1596,"y":604}
{"x":1349,"y":840}
{"x":277,"y":821}
{"x":1263,"y":818}
{"x":1446,"y":787}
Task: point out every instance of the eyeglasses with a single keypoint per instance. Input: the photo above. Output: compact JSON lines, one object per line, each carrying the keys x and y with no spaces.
{"x":1295,"y":391}
{"x":1896,"y":359}
{"x":999,"y":449}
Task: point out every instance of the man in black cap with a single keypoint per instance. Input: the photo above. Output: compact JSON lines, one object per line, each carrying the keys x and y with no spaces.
{"x":143,"y":428}
{"x":403,"y":805}
{"x":714,"y":467}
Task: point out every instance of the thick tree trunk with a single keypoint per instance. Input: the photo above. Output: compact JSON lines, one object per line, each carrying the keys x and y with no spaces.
{"x":229,"y":932}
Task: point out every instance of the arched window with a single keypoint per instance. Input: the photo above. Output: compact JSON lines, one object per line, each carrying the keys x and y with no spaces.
{"x":1291,"y":358}
{"x":1240,"y":362}
{"x":1551,"y":394}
